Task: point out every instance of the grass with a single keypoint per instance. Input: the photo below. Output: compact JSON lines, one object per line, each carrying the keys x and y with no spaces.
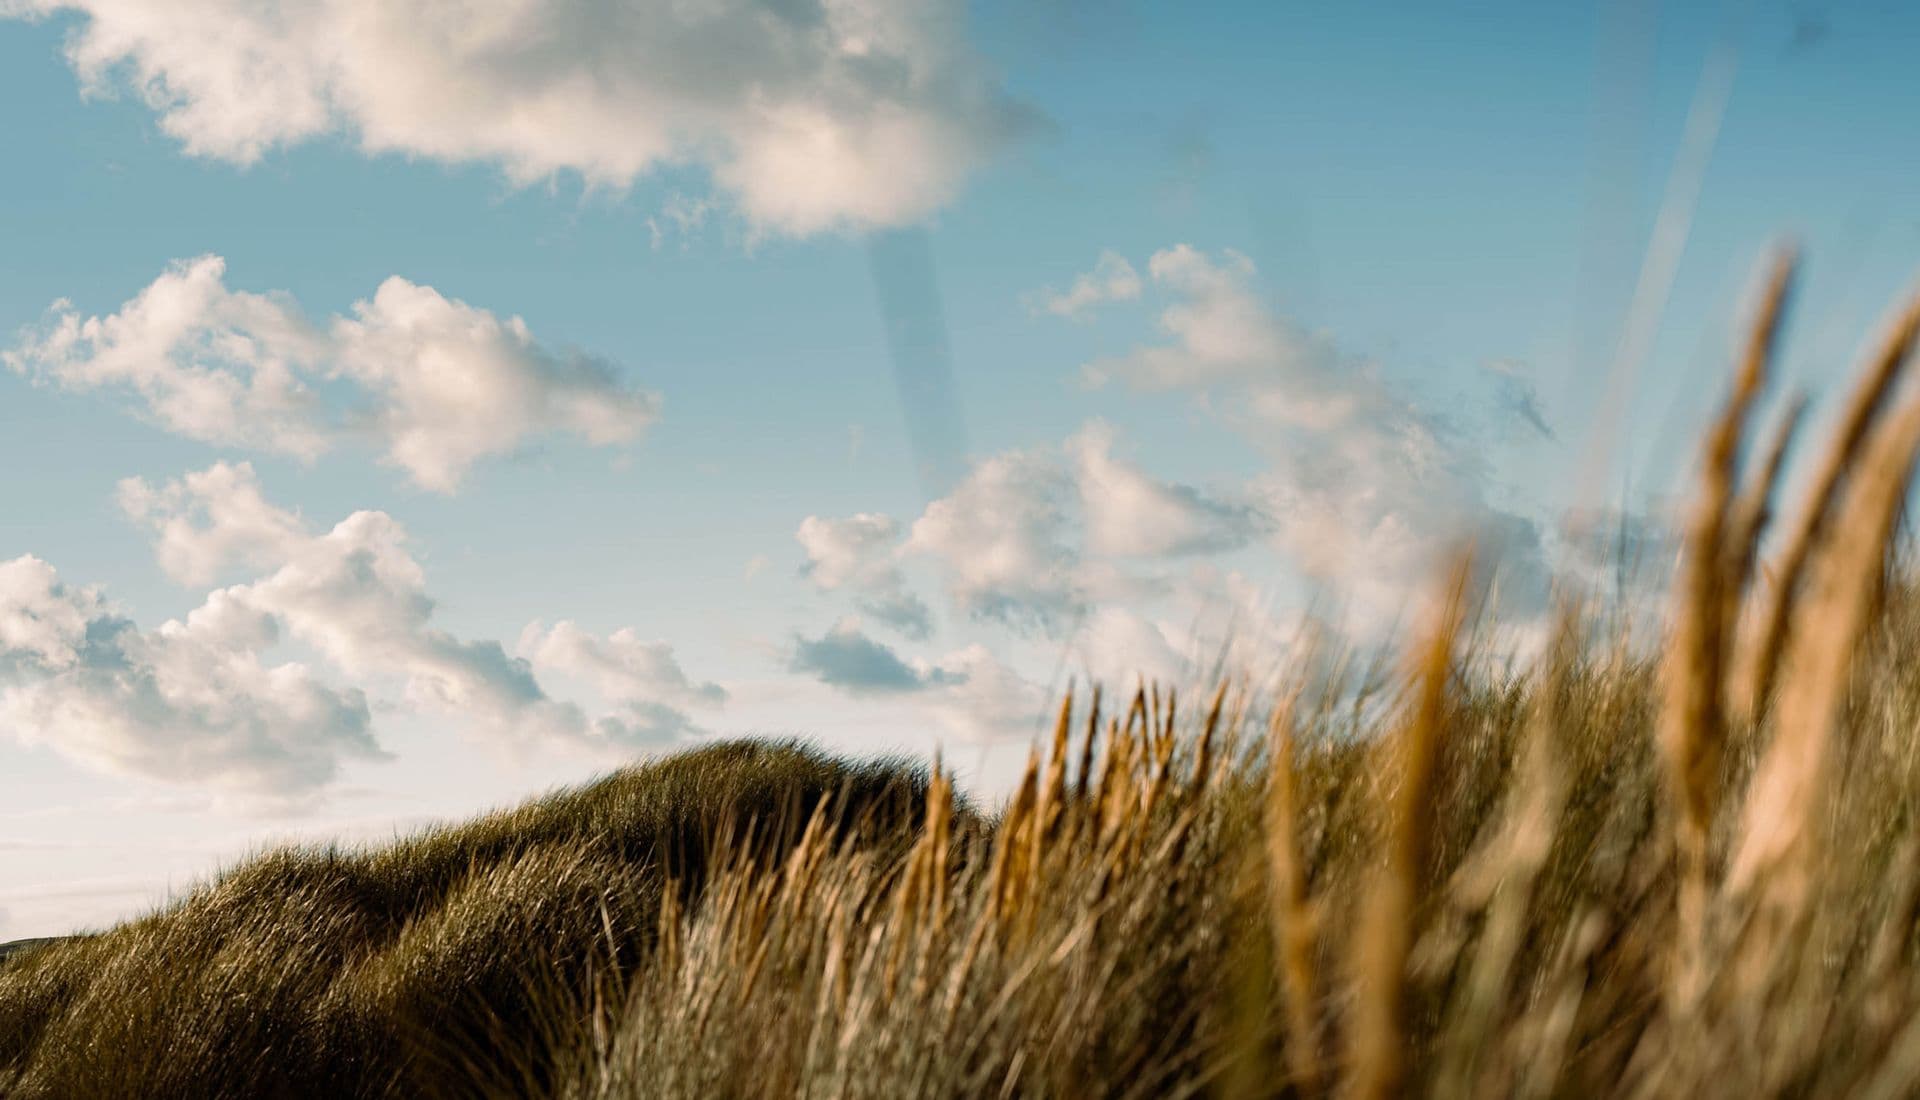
{"x":1680,"y":867}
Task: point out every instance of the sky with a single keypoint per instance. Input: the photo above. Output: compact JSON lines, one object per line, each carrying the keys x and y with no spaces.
{"x":407,"y":409}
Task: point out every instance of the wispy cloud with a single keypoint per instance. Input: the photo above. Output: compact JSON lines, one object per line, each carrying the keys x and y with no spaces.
{"x":1518,"y":397}
{"x":1365,"y":487}
{"x":1112,"y":279}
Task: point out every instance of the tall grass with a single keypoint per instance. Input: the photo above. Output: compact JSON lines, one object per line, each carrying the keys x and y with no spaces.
{"x":1617,"y":870}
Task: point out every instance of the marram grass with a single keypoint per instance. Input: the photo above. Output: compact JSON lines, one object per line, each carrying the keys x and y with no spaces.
{"x":1679,"y":870}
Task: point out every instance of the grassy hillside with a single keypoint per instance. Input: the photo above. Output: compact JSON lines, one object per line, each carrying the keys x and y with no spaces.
{"x":1675,"y":867}
{"x":326,"y":972}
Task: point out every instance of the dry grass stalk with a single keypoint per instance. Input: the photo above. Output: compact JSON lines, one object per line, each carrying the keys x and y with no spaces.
{"x":1290,"y":914}
{"x":1692,"y":722}
{"x":1501,"y":879}
{"x":1006,"y":874}
{"x":1692,"y":718}
{"x":1376,"y":1058}
{"x":1780,"y":822}
{"x":1203,"y":755}
{"x":1752,"y":515}
{"x":1088,"y":747}
{"x":1864,"y":404}
{"x":1053,"y":791}
{"x":1173,"y":703}
{"x":939,"y":841}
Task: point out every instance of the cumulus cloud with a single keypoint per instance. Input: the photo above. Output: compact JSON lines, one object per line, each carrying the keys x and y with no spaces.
{"x":356,"y":596}
{"x":853,"y":113}
{"x":437,"y":384}
{"x":215,"y":365}
{"x":1366,"y":488}
{"x":451,"y":384}
{"x":1112,"y":279}
{"x":646,"y":693}
{"x":847,"y":658}
{"x":1003,"y":537}
{"x":1205,"y":620}
{"x":1029,"y":538}
{"x":1039,"y":536}
{"x":190,"y":702}
{"x":861,"y":554}
{"x":209,"y":521}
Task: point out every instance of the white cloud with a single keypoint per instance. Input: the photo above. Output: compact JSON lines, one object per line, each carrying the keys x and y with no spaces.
{"x":853,"y":113}
{"x":861,"y":554}
{"x":356,"y":596}
{"x":1037,"y":537}
{"x":40,"y":620}
{"x":452,"y":384}
{"x":1004,"y":538}
{"x":755,"y":566}
{"x":211,"y":520}
{"x":1029,"y":538}
{"x":1208,"y":621}
{"x":1112,"y":279}
{"x":211,"y":364}
{"x":190,"y":702}
{"x":436,"y":383}
{"x":681,"y":216}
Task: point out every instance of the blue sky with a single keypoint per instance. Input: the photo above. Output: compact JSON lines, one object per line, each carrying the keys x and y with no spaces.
{"x":1353,"y":283}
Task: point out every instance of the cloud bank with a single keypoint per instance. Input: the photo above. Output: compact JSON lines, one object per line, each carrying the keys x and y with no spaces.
{"x":199,"y":700}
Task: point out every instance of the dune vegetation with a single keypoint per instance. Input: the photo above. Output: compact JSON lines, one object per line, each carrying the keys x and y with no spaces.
{"x":1682,"y":862}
